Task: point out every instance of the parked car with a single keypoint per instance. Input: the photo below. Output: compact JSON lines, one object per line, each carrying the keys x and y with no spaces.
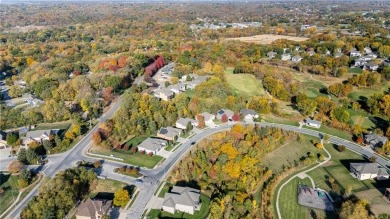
{"x":139,"y":181}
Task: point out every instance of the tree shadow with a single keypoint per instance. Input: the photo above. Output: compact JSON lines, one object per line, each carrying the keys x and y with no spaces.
{"x":347,"y":162}
{"x":129,"y":188}
{"x":193,"y":184}
{"x":104,"y":195}
{"x":4,"y":178}
{"x":380,"y":123}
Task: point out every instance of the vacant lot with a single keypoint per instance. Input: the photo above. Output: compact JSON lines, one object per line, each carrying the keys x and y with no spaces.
{"x":288,"y":153}
{"x":268,"y":38}
{"x":378,"y":204}
{"x":245,"y":84}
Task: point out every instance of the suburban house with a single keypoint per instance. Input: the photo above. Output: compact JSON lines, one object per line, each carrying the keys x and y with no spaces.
{"x":338,"y":54}
{"x":367,"y":49}
{"x":164,"y":93}
{"x":169,"y":133}
{"x":355,"y":53}
{"x":208,"y":118}
{"x":314,"y":198}
{"x":196,"y":82}
{"x":286,"y":57}
{"x":311,"y":52}
{"x":375,"y":140}
{"x":249,"y":114}
{"x":184,"y":199}
{"x":177,"y":88}
{"x":306,"y":26}
{"x":228,"y":113}
{"x":182,"y":123}
{"x":296,"y":58}
{"x":271,"y":54}
{"x":371,"y":66}
{"x":312,"y":123}
{"x":3,"y":136}
{"x":369,"y":57}
{"x":360,"y":62}
{"x":152,"y":145}
{"x":363,"y":171}
{"x":93,"y":209}
{"x":38,"y":136}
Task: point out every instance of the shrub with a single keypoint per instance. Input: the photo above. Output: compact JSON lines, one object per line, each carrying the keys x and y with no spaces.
{"x":340,"y":148}
{"x":150,"y":154}
{"x":126,"y":148}
{"x":319,"y":146}
{"x":134,"y":149}
{"x":118,"y":146}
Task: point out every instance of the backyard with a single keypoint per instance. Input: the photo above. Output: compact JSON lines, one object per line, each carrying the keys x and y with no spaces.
{"x":245,"y":84}
{"x":105,"y":188}
{"x":11,"y":190}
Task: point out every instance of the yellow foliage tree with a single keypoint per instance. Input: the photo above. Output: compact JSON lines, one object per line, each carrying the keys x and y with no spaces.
{"x":230,"y":150}
{"x":319,"y":146}
{"x":232,"y":169}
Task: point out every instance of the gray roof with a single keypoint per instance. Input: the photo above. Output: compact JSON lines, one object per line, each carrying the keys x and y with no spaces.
{"x":375,"y":139}
{"x":153,"y":143}
{"x":297,"y":57}
{"x":90,"y":207}
{"x":312,"y":121}
{"x":271,"y":53}
{"x":169,"y":131}
{"x":207,"y":116}
{"x":365,"y":168}
{"x":38,"y":133}
{"x":229,"y":113}
{"x":246,"y":112}
{"x":183,"y":196}
{"x":165,"y":91}
{"x":185,"y":121}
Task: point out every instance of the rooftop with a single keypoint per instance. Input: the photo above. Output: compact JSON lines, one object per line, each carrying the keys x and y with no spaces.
{"x":365,"y":168}
{"x":153,"y":143}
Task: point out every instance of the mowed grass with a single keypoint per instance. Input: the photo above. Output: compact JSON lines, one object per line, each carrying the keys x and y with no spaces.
{"x":289,"y":206}
{"x":342,"y":175}
{"x":245,"y":84}
{"x":363,"y":121}
{"x":10,"y":185}
{"x":358,"y":93}
{"x":137,"y":159}
{"x":56,"y":125}
{"x":378,"y":205}
{"x":286,"y":154}
{"x":136,"y":141}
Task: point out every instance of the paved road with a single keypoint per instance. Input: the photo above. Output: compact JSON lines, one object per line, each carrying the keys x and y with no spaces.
{"x":154,"y":176}
{"x":65,"y":160}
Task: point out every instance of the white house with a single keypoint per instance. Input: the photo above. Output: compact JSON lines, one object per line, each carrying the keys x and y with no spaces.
{"x":228,"y":113}
{"x":184,"y":199}
{"x":313,"y":123}
{"x":38,"y":136}
{"x":208,"y":117}
{"x":286,"y":57}
{"x":296,"y":58}
{"x":338,"y":54}
{"x":363,"y":171}
{"x":367,"y":49}
{"x":249,"y":114}
{"x":360,"y":62}
{"x":271,"y":54}
{"x":371,"y":66}
{"x":177,"y":88}
{"x":355,"y":53}
{"x":182,"y":123}
{"x":152,"y":145}
{"x":164,"y":93}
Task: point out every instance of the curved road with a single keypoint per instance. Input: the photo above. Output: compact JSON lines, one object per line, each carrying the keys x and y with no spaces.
{"x":154,"y":176}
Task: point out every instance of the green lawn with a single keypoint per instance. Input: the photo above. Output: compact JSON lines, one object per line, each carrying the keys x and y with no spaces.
{"x":312,"y":88}
{"x":367,"y":92}
{"x":355,"y":70}
{"x":245,"y":84}
{"x":332,"y":131}
{"x":290,"y":152}
{"x":105,"y":188}
{"x":164,"y":190}
{"x":10,"y":184}
{"x":229,"y":70}
{"x":342,"y":175}
{"x":136,"y":141}
{"x":55,"y":125}
{"x":190,"y":93}
{"x":289,"y":205}
{"x":204,"y":211}
{"x":137,"y":159}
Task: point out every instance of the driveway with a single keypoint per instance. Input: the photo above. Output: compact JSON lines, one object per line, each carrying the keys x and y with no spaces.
{"x":4,"y":153}
{"x":156,"y":203}
{"x":164,"y":153}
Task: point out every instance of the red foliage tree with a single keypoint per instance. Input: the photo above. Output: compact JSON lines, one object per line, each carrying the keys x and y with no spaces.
{"x":201,"y":122}
{"x":142,"y":152}
{"x":134,"y":149}
{"x":236,"y":117}
{"x":150,"y":154}
{"x":359,"y":140}
{"x":118,"y":146}
{"x":96,"y":138}
{"x":107,"y":94}
{"x":76,"y":73}
{"x":224,"y":118}
{"x":113,"y":67}
{"x":126,"y":148}
{"x":122,"y":62}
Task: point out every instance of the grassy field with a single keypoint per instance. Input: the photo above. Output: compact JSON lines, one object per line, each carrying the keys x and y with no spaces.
{"x":136,"y":141}
{"x":105,"y":188}
{"x":245,"y":84}
{"x":344,"y":178}
{"x":357,"y":93}
{"x":267,"y":38}
{"x":137,"y":159}
{"x":55,"y":125}
{"x":164,"y":190}
{"x":10,"y":184}
{"x":287,"y":153}
{"x":355,"y":70}
{"x":378,"y":205}
{"x":333,"y":131}
{"x":204,"y":211}
{"x":229,"y":70}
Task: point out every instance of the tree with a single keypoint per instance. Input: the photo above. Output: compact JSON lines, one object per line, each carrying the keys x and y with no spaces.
{"x":341,"y":114}
{"x":340,"y":148}
{"x":372,"y":159}
{"x":352,"y":209}
{"x":121,"y":198}
{"x":31,"y":156}
{"x":26,"y":175}
{"x":11,"y":138}
{"x":326,"y":138}
{"x":359,"y":140}
{"x":48,"y":145}
{"x":22,"y":156}
{"x":201,"y":122}
{"x":15,"y":166}
{"x":319,"y":146}
{"x":96,"y":138}
{"x":236,"y":117}
{"x":224,"y":118}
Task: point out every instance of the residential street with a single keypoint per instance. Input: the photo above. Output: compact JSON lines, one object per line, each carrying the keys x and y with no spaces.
{"x":154,"y":176}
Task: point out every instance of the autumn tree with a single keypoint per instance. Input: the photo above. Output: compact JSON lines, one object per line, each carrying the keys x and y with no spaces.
{"x":11,"y":138}
{"x":96,"y":138}
{"x":224,"y":118}
{"x":15,"y":166}
{"x":351,"y":209}
{"x":121,"y":198}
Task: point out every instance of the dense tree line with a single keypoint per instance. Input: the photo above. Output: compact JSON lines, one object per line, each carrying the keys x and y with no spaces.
{"x":60,"y":195}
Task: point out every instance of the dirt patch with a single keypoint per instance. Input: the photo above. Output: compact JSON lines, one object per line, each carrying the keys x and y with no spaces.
{"x":267,"y":38}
